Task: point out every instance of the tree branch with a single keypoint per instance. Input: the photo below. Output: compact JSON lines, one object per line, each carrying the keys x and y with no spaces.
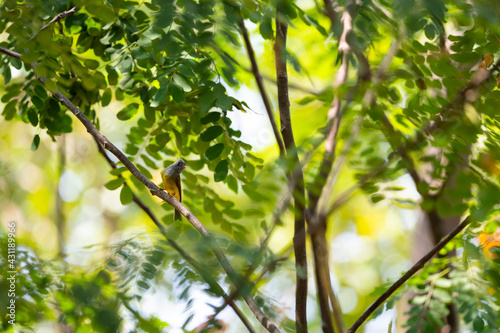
{"x":57,"y":18}
{"x":260,"y":84}
{"x":10,"y":53}
{"x":298,"y":190}
{"x":155,"y":190}
{"x":408,"y":275}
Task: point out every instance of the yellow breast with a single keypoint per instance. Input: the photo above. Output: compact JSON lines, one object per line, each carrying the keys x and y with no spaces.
{"x":171,"y":186}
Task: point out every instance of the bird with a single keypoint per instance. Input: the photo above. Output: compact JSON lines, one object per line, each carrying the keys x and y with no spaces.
{"x":171,"y":177}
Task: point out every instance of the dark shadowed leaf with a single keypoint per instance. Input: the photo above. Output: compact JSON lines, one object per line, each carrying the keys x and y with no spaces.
{"x":211,"y":133}
{"x":126,"y":195}
{"x":128,"y":112}
{"x":221,"y":170}
{"x":213,"y":152}
{"x":114,"y":184}
{"x":35,"y":142}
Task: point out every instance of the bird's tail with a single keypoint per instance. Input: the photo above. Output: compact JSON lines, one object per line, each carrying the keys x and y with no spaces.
{"x":177,"y":215}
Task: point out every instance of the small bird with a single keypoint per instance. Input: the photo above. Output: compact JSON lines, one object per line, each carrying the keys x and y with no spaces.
{"x":171,"y":177}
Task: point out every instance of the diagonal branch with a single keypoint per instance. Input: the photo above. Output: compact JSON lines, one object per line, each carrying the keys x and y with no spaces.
{"x":408,"y":274}
{"x":260,"y":84}
{"x":10,"y":53}
{"x":209,"y":279}
{"x":56,"y":18}
{"x":155,"y":190}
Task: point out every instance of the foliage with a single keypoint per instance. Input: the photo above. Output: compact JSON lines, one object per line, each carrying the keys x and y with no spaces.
{"x":468,"y":283}
{"x":166,"y":78}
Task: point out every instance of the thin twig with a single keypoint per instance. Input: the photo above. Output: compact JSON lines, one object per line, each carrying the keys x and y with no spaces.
{"x":260,"y":84}
{"x":408,"y":275}
{"x":60,"y":217}
{"x":327,"y":190}
{"x":344,"y":197}
{"x":155,"y":190}
{"x":57,"y":18}
{"x":264,"y":76}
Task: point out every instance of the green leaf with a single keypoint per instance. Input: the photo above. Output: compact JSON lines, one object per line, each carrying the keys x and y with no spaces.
{"x":149,"y":113}
{"x":160,"y":94}
{"x":306,"y":100}
{"x":112,"y":76}
{"x":252,"y":193}
{"x":466,"y":57}
{"x":40,"y":91}
{"x":101,"y":11}
{"x":316,"y":24}
{"x":404,"y":203}
{"x":266,"y":28}
{"x":206,"y":101}
{"x":7,"y":75}
{"x":90,"y":63}
{"x":37,"y":102}
{"x":255,"y":158}
{"x":126,"y":82}
{"x":183,"y":82}
{"x":224,"y":102}
{"x":126,"y":65}
{"x":232,"y":183}
{"x":144,"y":171}
{"x":126,"y":196}
{"x":377,"y":198}
{"x":10,"y":109}
{"x":143,"y":285}
{"x":249,"y":171}
{"x":16,"y":63}
{"x":478,"y":324}
{"x":149,"y":162}
{"x":430,"y":31}
{"x":128,"y":112}
{"x":117,"y":171}
{"x":213,"y":152}
{"x":162,"y":139}
{"x":211,"y":133}
{"x":221,"y":170}
{"x":33,"y":117}
{"x":35,"y":142}
{"x":145,"y":42}
{"x":106,"y":97}
{"x":286,"y":7}
{"x":177,"y":92}
{"x":233,"y":213}
{"x":114,"y":184}
{"x":211,"y":117}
